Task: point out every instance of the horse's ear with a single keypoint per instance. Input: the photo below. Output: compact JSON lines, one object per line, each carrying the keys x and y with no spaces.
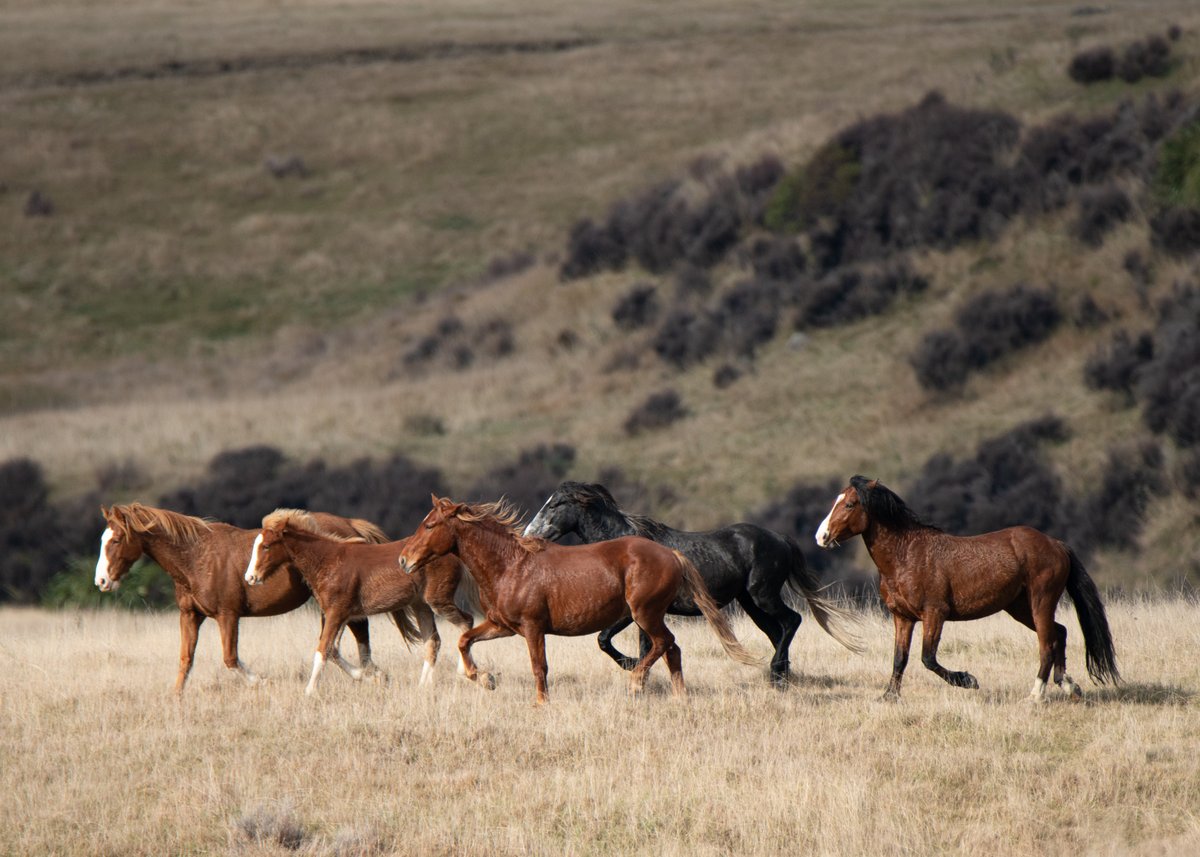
{"x":435,"y":499}
{"x":104,"y":511}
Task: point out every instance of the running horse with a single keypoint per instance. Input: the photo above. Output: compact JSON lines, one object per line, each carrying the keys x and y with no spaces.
{"x":206,"y":560}
{"x":931,"y":577}
{"x":353,"y":580}
{"x":533,"y":587}
{"x":742,"y":562}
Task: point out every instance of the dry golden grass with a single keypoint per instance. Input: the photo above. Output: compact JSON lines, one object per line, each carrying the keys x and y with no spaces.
{"x":98,"y":758}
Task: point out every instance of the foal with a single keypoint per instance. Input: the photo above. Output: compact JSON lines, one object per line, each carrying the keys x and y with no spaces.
{"x":533,"y":587}
{"x":928,"y":576}
{"x":353,"y":580}
{"x":206,"y":559}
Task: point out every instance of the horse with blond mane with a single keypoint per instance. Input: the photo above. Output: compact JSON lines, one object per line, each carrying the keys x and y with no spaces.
{"x":206,"y":559}
{"x":533,"y":587}
{"x":353,"y":580}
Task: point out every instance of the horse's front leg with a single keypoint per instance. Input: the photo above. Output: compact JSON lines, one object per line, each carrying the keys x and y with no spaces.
{"x":606,"y":644}
{"x":904,"y":632}
{"x":931,"y":635}
{"x":535,"y":639}
{"x":228,"y":623}
{"x":330,"y":628}
{"x":485,"y":630}
{"x":189,"y":633}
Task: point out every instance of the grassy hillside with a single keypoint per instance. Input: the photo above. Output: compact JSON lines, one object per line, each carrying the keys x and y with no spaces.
{"x":180,"y":298}
{"x":99,"y":759}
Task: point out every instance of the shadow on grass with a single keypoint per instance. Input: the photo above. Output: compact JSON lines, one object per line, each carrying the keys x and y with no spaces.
{"x":1140,"y":693}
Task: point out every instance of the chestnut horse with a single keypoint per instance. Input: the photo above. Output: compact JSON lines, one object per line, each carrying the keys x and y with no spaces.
{"x":928,"y":576}
{"x":206,"y":559}
{"x":533,"y":587}
{"x":744,"y":562}
{"x":353,"y":580}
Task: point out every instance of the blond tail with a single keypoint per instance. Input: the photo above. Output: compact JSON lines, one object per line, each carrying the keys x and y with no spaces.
{"x":693,"y":587}
{"x":368,"y":531}
{"x":836,"y":621}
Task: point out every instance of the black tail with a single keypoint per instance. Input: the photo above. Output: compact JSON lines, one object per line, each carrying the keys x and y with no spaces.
{"x":836,"y":621}
{"x":1097,"y":640}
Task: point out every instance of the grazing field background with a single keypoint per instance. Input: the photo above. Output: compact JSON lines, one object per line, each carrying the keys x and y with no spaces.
{"x":100,"y":758}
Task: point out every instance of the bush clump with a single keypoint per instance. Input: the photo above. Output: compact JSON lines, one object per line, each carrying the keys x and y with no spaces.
{"x":637,"y":308}
{"x":1093,"y":65}
{"x":854,"y":292}
{"x":528,"y":480}
{"x":987,"y":327}
{"x":1115,"y":366}
{"x":1111,"y":514}
{"x":1168,"y":384}
{"x":1148,"y":57}
{"x":1100,"y":210}
{"x":658,"y":411}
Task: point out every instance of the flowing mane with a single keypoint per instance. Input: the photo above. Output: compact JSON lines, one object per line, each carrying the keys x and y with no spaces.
{"x":592,"y":495}
{"x":506,"y":515}
{"x":299,"y":519}
{"x":885,"y":506}
{"x":174,"y":525}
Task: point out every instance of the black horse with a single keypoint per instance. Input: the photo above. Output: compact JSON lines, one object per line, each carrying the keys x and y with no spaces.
{"x":743,"y":562}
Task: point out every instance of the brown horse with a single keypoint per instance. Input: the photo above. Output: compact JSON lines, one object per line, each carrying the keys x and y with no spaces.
{"x":206,"y":559}
{"x":353,"y":580}
{"x":928,"y":576}
{"x":533,"y":587}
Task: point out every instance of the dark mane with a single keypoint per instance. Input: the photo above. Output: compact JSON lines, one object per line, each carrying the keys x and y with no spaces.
{"x":594,"y":495}
{"x":885,"y":506}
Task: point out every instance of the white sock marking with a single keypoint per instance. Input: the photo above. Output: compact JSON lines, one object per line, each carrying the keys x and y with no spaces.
{"x":318,"y":662}
{"x":426,"y":674}
{"x":1039,"y":690}
{"x":823,"y":530}
{"x":102,"y":581}
{"x":252,"y":569}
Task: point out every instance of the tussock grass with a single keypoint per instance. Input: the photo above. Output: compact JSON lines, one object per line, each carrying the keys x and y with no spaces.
{"x":99,"y":758}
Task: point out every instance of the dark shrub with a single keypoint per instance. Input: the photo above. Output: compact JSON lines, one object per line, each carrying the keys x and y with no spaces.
{"x":779,"y":259}
{"x":1111,"y":514}
{"x":28,"y":554}
{"x":1008,"y":482}
{"x":592,"y":248}
{"x":453,"y":344}
{"x":1101,"y":209}
{"x":686,"y":337}
{"x":1168,"y":386}
{"x":1092,"y":65}
{"x":638,"y":308}
{"x":658,"y":411}
{"x":726,"y":375}
{"x":1138,"y":268}
{"x":1189,"y":473}
{"x":502,"y":267}
{"x":1089,"y":314}
{"x":1115,"y":367}
{"x":1176,"y":230}
{"x":747,"y":316}
{"x":853,"y":293}
{"x":1174,"y":32}
{"x":940,"y":361}
{"x":528,"y":480}
{"x":1150,"y":57}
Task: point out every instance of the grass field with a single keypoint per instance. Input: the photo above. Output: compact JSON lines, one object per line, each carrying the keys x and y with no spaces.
{"x":99,"y":758}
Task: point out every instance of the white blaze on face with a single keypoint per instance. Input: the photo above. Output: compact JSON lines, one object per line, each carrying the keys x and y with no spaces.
{"x":251,"y":569}
{"x":823,"y":530}
{"x":537,"y":519}
{"x":102,"y":580}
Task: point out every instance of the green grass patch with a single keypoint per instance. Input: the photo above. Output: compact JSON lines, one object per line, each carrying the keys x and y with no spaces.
{"x":1177,"y":179}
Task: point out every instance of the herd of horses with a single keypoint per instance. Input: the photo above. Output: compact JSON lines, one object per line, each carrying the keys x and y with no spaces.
{"x":467,"y":559}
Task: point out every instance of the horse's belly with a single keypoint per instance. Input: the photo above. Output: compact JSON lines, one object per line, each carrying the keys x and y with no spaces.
{"x":567,"y":621}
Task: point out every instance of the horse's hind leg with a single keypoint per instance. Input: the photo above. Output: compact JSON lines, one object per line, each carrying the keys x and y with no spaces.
{"x":780,"y":623}
{"x":441,"y":599}
{"x":1052,"y":649}
{"x":228,"y":623}
{"x":931,"y":635}
{"x":189,"y":632}
{"x":606,"y":644}
{"x":661,"y":640}
{"x":433,"y":642}
{"x":361,"y":630}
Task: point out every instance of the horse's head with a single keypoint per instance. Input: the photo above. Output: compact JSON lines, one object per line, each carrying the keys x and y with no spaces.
{"x":434,"y":537}
{"x":558,"y":516}
{"x":268,"y":553}
{"x":848,"y":517}
{"x":120,"y":547}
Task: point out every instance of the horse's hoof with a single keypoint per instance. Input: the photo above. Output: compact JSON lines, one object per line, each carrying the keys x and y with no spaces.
{"x":889,"y":695}
{"x":486,"y":680}
{"x":964,"y":679}
{"x":627,"y":664}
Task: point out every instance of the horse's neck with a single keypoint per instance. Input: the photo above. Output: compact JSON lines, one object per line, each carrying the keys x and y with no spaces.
{"x":886,"y":545}
{"x":177,"y":557}
{"x":604,"y":525}
{"x":489,"y":554}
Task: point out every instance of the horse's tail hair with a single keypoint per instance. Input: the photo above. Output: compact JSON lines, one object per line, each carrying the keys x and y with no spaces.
{"x":838,"y":622}
{"x":368,"y":531}
{"x":1097,"y":640}
{"x":694,"y":588}
{"x":406,"y":623}
{"x":466,"y":594}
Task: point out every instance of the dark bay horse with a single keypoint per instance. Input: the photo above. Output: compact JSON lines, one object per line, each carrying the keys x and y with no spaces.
{"x":742,"y":562}
{"x":928,"y":576}
{"x":533,"y":587}
{"x":352,"y":580}
{"x":206,"y":560}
